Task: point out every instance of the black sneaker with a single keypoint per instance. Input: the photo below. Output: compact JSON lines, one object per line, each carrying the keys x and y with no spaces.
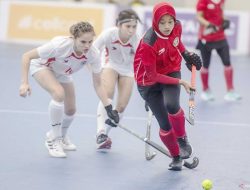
{"x":176,"y":163}
{"x":103,"y":141}
{"x":186,"y":149}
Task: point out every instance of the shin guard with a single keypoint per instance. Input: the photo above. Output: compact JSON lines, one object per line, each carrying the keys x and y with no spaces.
{"x":178,"y":123}
{"x":169,"y":140}
{"x":228,"y":73}
{"x":204,"y":78}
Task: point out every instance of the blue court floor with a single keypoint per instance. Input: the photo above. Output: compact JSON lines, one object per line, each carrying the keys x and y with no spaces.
{"x":220,"y":138}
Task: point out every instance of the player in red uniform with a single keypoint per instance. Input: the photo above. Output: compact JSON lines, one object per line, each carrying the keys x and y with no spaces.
{"x":211,"y":36}
{"x":157,"y":66}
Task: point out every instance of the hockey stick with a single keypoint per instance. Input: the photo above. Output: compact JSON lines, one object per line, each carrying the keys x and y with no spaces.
{"x":191,"y":102}
{"x":148,"y":154}
{"x":189,"y":165}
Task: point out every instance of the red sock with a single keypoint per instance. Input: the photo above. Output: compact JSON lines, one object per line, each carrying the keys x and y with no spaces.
{"x":228,"y":73}
{"x":204,"y":78}
{"x":178,"y":123}
{"x":169,"y":140}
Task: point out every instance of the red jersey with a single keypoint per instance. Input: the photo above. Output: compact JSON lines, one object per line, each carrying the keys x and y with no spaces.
{"x":157,"y":56}
{"x":213,"y":12}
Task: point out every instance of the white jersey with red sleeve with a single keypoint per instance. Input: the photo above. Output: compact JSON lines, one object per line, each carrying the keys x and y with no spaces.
{"x":59,"y":56}
{"x":116,"y":54}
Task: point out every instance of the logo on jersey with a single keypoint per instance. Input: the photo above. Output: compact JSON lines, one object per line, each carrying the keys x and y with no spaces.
{"x":114,"y":48}
{"x":210,"y":6}
{"x":83,"y":62}
{"x":161,"y":51}
{"x":216,"y":1}
{"x":176,"y":42}
{"x":66,"y":60}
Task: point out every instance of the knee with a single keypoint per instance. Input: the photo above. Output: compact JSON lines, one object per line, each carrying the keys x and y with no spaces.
{"x":58,"y":94}
{"x":70,"y":111}
{"x":173,"y":108}
{"x":121,"y":108}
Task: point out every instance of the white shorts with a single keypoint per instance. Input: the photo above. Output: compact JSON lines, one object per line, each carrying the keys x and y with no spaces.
{"x":121,"y":71}
{"x":34,"y":68}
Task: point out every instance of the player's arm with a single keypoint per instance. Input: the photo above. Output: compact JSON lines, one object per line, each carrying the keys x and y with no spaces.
{"x":99,"y":88}
{"x":103,"y":95}
{"x":201,"y":19}
{"x":26,"y":58}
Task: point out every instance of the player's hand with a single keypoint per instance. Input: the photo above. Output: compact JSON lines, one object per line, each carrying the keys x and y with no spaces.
{"x":226,"y":24}
{"x":192,"y":59}
{"x":186,"y":85}
{"x":212,"y":26}
{"x":113,"y":115}
{"x":24,"y":90}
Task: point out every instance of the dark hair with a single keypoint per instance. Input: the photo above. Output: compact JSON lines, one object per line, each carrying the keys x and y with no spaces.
{"x":81,"y":27}
{"x":126,"y":16}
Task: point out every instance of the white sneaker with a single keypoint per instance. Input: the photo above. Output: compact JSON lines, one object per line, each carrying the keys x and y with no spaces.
{"x":207,"y":95}
{"x":232,"y":96}
{"x":103,"y":141}
{"x":54,"y":147}
{"x":67,"y":144}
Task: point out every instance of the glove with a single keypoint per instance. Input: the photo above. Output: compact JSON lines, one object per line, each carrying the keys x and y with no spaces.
{"x":192,"y":59}
{"x":212,"y":27}
{"x":225,"y":25}
{"x":113,"y":119}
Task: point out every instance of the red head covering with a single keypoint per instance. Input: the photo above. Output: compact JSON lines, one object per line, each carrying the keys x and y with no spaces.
{"x":160,"y":10}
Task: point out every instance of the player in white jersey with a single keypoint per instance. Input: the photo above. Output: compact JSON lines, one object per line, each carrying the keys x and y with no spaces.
{"x":118,"y":46}
{"x":52,"y":65}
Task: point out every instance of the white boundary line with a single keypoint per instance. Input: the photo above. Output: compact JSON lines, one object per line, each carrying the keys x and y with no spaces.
{"x":128,"y":117}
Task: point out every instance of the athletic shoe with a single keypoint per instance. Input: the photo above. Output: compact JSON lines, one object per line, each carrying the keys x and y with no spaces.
{"x":103,"y":141}
{"x":207,"y":95}
{"x":232,"y":96}
{"x":176,"y":163}
{"x":185,"y":148}
{"x":54,"y":147}
{"x":67,"y":144}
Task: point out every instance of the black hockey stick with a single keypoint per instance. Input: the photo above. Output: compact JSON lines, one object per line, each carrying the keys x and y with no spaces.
{"x":189,"y":165}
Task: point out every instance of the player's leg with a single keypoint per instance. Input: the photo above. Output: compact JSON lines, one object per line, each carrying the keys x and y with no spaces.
{"x":69,"y":112}
{"x":154,"y":97}
{"x":176,"y":116}
{"x":206,"y":53}
{"x":109,"y":79}
{"x":224,"y":54}
{"x":125,"y":88}
{"x":48,"y":81}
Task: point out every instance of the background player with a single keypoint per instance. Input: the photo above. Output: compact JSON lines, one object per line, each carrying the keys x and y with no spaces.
{"x":118,"y":44}
{"x":211,"y":36}
{"x":52,"y":65}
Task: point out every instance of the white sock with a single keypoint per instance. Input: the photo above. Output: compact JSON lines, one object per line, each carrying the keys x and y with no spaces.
{"x":67,"y":120}
{"x":56,"y":110}
{"x":101,"y":118}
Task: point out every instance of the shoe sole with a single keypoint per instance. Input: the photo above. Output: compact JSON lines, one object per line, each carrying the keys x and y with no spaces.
{"x":106,"y":145}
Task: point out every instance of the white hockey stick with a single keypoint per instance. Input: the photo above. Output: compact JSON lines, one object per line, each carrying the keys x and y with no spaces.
{"x":149,"y":155}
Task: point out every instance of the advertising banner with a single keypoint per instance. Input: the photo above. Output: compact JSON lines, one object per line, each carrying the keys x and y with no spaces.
{"x":31,"y":21}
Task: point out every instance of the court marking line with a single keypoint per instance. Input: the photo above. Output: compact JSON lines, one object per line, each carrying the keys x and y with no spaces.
{"x":127,"y":117}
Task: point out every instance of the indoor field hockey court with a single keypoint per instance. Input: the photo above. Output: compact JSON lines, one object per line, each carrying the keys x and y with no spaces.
{"x":220,"y":137}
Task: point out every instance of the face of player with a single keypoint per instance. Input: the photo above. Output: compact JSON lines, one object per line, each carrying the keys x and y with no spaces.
{"x":166,"y":24}
{"x":127,"y":30}
{"x":83,"y":43}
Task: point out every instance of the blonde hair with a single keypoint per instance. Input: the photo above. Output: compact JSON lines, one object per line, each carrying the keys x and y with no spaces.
{"x":81,"y":27}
